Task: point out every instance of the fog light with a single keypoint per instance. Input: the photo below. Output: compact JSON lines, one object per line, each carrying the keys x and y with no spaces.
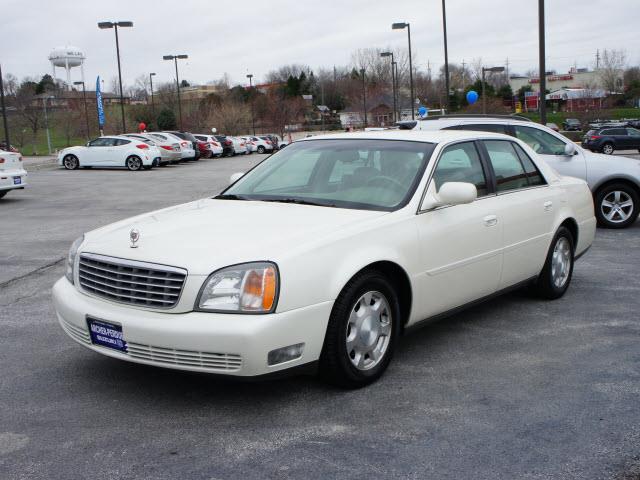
{"x":284,"y":354}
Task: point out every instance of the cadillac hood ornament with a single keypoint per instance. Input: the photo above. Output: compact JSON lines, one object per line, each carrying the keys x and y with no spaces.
{"x":134,"y":236}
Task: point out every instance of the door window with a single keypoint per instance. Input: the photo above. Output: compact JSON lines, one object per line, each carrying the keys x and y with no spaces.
{"x":633,"y":132}
{"x":540,"y":141}
{"x":101,"y":142}
{"x":509,"y":172}
{"x":118,"y":142}
{"x":534,"y":176}
{"x":461,"y":163}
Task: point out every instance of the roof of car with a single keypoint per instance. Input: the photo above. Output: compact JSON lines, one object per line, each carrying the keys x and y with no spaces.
{"x":435,"y":136}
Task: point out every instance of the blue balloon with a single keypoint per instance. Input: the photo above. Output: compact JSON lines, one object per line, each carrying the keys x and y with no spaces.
{"x":422,"y":111}
{"x":472,"y":97}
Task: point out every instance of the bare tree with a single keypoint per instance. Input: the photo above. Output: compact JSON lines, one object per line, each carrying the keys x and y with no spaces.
{"x":611,"y":70}
{"x":229,"y":117}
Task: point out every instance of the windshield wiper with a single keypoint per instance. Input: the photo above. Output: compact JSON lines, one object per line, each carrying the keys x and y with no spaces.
{"x":229,"y":196}
{"x":298,"y":201}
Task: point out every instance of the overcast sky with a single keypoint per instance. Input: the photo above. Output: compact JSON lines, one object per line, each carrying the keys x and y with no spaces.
{"x":240,"y":37}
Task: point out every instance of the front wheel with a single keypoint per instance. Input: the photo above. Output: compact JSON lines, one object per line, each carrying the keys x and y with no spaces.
{"x":617,"y":206}
{"x":556,"y":274}
{"x":133,"y":163}
{"x":70,"y":162}
{"x":261,"y":149}
{"x":362,"y":331}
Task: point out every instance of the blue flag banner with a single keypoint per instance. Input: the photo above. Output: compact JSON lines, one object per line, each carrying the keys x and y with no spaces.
{"x":99,"y":104}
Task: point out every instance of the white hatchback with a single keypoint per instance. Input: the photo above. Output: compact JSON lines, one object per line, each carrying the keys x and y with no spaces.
{"x":116,"y":151}
{"x":13,"y":176}
{"x":325,"y":253}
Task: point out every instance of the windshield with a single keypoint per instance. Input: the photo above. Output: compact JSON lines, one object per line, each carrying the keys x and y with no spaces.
{"x":350,"y":173}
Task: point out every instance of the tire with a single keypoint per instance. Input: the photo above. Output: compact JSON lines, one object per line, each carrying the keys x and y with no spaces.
{"x":352,"y":363}
{"x":133,"y":163}
{"x":556,"y":274}
{"x":261,"y":149}
{"x":2,"y":194}
{"x":608,"y":148}
{"x":617,"y":205}
{"x":70,"y":162}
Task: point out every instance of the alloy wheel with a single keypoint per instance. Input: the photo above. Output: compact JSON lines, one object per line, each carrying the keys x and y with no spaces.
{"x":369,"y":330}
{"x":617,"y":206}
{"x":561,"y":262}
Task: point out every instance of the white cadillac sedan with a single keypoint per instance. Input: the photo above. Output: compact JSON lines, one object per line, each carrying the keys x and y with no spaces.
{"x":325,"y":253}
{"x":116,"y":151}
{"x":13,"y":176}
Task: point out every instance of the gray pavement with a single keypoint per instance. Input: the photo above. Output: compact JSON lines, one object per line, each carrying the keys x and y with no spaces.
{"x":514,"y":388}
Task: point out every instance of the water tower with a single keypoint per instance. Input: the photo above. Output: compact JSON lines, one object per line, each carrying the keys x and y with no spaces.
{"x":67,"y":57}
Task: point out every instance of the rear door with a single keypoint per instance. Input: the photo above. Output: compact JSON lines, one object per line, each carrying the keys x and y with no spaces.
{"x":526,"y":211}
{"x":633,"y":138}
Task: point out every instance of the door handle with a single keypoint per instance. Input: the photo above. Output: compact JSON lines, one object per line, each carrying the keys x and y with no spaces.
{"x":548,"y":205}
{"x":490,"y":220}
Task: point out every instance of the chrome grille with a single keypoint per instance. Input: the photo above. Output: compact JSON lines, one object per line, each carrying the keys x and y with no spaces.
{"x":216,"y":361}
{"x":132,"y":282}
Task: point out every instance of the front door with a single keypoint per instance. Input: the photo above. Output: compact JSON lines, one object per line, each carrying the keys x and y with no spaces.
{"x":460,"y":245}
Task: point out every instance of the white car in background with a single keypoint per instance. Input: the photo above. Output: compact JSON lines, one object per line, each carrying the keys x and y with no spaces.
{"x":115,"y":151}
{"x":168,"y":153}
{"x":250,"y":143}
{"x":186,"y":148}
{"x":13,"y":176}
{"x":263,"y":144}
{"x":216,"y":148}
{"x":239,"y":145}
{"x":325,"y":253}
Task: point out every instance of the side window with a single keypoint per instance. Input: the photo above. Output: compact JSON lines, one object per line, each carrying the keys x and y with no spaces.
{"x":533,"y":174}
{"x":540,"y":141}
{"x":633,"y":132}
{"x":461,"y":163}
{"x":618,"y":131}
{"x":510,"y":174}
{"x":485,"y":127}
{"x":99,"y":142}
{"x":118,"y":142}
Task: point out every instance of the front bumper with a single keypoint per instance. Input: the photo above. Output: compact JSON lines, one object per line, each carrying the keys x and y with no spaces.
{"x":8,"y":179}
{"x":229,"y":344}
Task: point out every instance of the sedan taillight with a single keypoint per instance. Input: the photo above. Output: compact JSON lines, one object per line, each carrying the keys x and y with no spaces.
{"x":167,"y":147}
{"x":594,"y":137}
{"x":184,"y":144}
{"x":1,"y":160}
{"x":142,"y":146}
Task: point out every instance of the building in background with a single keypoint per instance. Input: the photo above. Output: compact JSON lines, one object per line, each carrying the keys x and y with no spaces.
{"x":580,"y":78}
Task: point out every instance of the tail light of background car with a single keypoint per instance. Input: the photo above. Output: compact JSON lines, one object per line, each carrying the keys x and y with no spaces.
{"x":1,"y":160}
{"x":228,"y":142}
{"x":268,"y":142}
{"x":167,"y":147}
{"x":184,"y":144}
{"x":594,"y":137}
{"x":142,"y":146}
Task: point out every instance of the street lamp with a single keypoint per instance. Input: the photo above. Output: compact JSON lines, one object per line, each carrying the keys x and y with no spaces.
{"x":393,"y":82}
{"x":115,"y":25}
{"x":84,"y":97}
{"x":4,"y":113}
{"x":175,"y":59}
{"x":153,"y":105}
{"x":46,"y":120}
{"x":364,"y":97}
{"x":446,"y":54}
{"x":489,"y":69}
{"x":400,"y":26}
{"x":253,"y":124}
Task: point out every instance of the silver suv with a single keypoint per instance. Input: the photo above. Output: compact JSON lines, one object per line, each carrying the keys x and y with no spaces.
{"x":614,"y":180}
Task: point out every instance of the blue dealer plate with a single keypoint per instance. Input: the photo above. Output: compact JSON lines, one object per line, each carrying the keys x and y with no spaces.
{"x":17,"y":180}
{"x":106,"y":334}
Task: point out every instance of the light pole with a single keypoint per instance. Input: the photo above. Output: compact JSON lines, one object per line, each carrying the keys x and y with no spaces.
{"x":4,"y":113}
{"x":446,"y":53}
{"x":253,"y":124}
{"x":115,"y":25}
{"x":175,"y":59}
{"x":541,"y":59}
{"x":86,"y":113}
{"x":393,"y":82}
{"x":364,"y":97}
{"x":484,"y":98}
{"x":395,"y":69}
{"x":153,"y":105}
{"x":400,"y":26}
{"x":46,"y":121}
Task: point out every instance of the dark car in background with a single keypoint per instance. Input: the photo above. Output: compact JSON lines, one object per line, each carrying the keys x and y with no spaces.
{"x":189,"y":138}
{"x":571,"y":124}
{"x":609,"y":139}
{"x":227,"y":145}
{"x":3,"y":146}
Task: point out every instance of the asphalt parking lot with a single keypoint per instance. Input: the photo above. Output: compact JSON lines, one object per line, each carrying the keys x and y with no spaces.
{"x":514,"y":388}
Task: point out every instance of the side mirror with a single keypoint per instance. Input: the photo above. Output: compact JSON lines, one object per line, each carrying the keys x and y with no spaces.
{"x":88,"y":144}
{"x":235,"y":177}
{"x":450,"y":193}
{"x":569,"y":149}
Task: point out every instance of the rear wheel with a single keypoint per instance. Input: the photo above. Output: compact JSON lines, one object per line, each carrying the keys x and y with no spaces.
{"x":70,"y":162}
{"x":133,"y":163}
{"x":607,"y":148}
{"x":556,"y":274}
{"x":261,"y":149}
{"x":617,"y":205}
{"x":362,"y":331}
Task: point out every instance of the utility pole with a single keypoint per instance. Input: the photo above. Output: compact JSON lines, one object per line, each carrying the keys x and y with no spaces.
{"x":542,"y":66}
{"x":463,"y":72}
{"x":364,"y":97}
{"x":597,"y":59}
{"x":506,"y":63}
{"x":446,"y":54}
{"x":4,"y":112}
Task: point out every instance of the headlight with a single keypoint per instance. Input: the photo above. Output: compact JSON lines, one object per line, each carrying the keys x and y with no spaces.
{"x":71,"y":258}
{"x":245,"y":288}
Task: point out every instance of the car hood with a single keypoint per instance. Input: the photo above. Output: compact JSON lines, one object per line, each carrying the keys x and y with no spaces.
{"x":208,"y":234}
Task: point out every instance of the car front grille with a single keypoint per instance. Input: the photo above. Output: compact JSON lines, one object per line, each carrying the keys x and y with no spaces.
{"x":214,"y":361}
{"x":127,"y":281}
